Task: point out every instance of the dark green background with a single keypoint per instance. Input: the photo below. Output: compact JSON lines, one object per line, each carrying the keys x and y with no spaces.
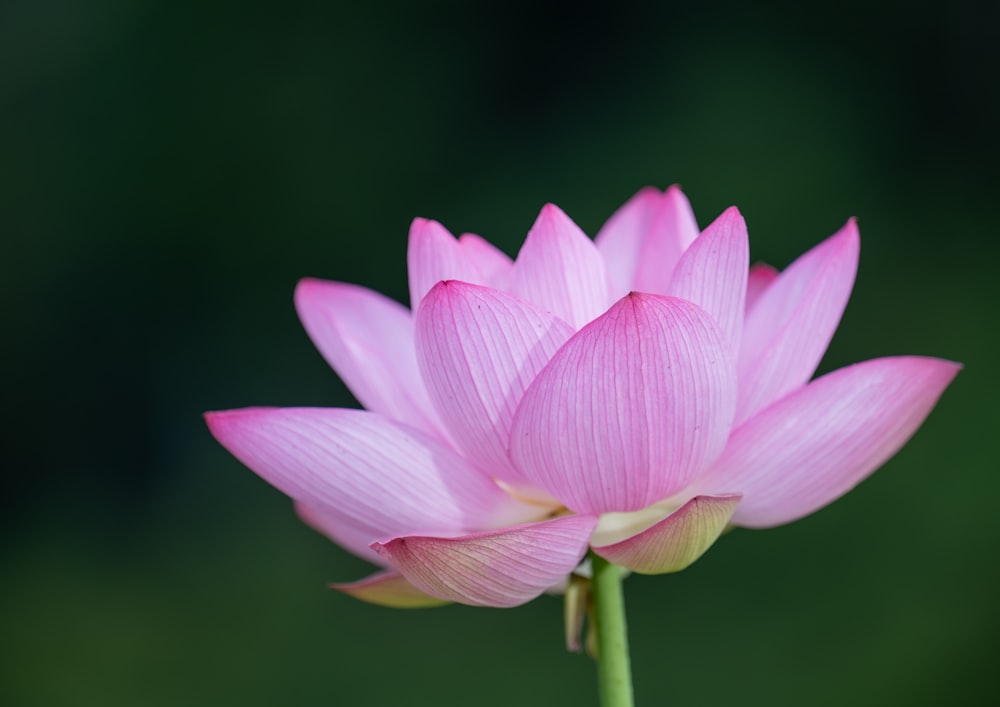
{"x":169,"y":170}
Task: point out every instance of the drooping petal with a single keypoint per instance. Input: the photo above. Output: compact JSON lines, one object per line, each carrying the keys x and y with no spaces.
{"x":789,"y":328}
{"x":560,"y":270}
{"x":673,"y":231}
{"x":368,"y":340}
{"x":677,"y":540}
{"x":621,"y":238}
{"x":713,"y":273}
{"x":478,"y":350}
{"x":760,"y":278}
{"x":492,"y":263}
{"x":499,"y":568}
{"x":816,"y":444}
{"x":370,"y":473}
{"x":629,"y":409}
{"x":388,"y":588}
{"x":432,"y":255}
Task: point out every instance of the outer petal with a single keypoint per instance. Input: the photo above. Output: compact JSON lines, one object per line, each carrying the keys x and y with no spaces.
{"x":368,"y":339}
{"x":674,"y":229}
{"x":500,"y":568}
{"x":713,"y":273}
{"x":791,"y":325}
{"x":560,"y":270}
{"x":492,"y":263}
{"x":675,"y":542}
{"x":388,"y":589}
{"x":629,"y":409}
{"x":760,"y":278}
{"x":478,"y":350}
{"x":369,"y":473}
{"x":816,"y":444}
{"x":433,"y":255}
{"x":621,"y":238}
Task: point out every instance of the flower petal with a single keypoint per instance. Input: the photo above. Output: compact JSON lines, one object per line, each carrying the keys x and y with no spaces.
{"x":492,"y":263}
{"x":499,"y":568}
{"x":368,"y":340}
{"x":388,"y":588}
{"x":370,"y":473}
{"x":760,"y":278}
{"x":560,"y":270}
{"x":629,"y":409}
{"x":713,"y":273}
{"x":643,"y":241}
{"x":621,"y":238}
{"x":787,"y":331}
{"x":673,"y":230}
{"x":816,"y":444}
{"x":432,"y":255}
{"x":478,"y":350}
{"x":677,"y":540}
{"x":340,"y":530}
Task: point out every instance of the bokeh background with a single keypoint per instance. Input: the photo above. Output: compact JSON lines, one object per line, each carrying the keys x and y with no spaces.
{"x":168,"y":170}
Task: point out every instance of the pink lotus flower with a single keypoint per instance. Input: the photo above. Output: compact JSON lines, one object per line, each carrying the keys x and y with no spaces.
{"x":632,"y":395}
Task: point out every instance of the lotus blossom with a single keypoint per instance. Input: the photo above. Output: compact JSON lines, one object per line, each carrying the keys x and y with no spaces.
{"x":631,"y":395}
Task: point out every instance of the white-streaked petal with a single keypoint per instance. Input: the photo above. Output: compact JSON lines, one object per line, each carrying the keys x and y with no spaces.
{"x":787,"y":331}
{"x":816,"y":444}
{"x":621,"y":238}
{"x":432,"y":255}
{"x":478,"y":350}
{"x":370,"y":473}
{"x":560,"y":270}
{"x":672,"y":232}
{"x":713,"y":273}
{"x":629,"y":409}
{"x":368,"y":340}
{"x":492,"y":263}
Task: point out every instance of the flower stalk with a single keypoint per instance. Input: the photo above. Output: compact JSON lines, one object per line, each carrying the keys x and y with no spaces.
{"x":613,"y":666}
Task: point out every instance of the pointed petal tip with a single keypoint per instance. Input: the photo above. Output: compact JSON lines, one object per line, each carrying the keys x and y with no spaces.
{"x":221,"y":421}
{"x":388,"y":589}
{"x":551,"y":212}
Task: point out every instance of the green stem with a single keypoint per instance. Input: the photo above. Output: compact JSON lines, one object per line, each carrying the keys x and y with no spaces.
{"x":614,"y":673}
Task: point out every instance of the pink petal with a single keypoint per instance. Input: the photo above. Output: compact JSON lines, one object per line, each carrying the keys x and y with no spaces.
{"x":492,"y":263}
{"x":629,"y":409}
{"x":433,"y":255}
{"x":499,"y":568}
{"x":621,"y":238}
{"x":673,"y":230}
{"x":369,"y":473}
{"x":760,"y":278}
{"x":675,"y":542}
{"x":478,"y":350}
{"x":560,"y":270}
{"x":368,"y":339}
{"x":388,"y":589}
{"x":713,"y":273}
{"x":815,"y":445}
{"x":340,"y":530}
{"x":789,"y":328}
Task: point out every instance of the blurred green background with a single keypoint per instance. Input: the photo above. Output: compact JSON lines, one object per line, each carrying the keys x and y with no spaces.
{"x":169,"y":170}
